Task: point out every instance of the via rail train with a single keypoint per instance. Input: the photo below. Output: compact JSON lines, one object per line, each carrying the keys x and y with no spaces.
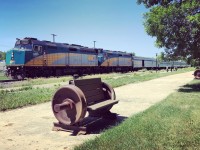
{"x":32,"y":58}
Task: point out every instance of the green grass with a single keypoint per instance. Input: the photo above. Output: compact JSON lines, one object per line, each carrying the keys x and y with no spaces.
{"x":171,"y":124}
{"x":2,"y":76}
{"x":38,"y":81}
{"x":31,"y":96}
{"x":24,"y":97}
{"x":116,"y":79}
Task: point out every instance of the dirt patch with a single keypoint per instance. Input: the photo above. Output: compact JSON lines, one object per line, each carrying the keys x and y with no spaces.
{"x":30,"y":127}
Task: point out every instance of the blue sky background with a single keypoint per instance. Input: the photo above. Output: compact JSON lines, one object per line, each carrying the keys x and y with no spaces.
{"x":114,"y":24}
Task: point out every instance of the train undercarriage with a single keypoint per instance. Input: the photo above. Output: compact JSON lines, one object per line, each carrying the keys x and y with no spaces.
{"x":21,"y":72}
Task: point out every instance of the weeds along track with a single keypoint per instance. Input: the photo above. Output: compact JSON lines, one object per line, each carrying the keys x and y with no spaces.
{"x":115,"y":79}
{"x":7,"y":81}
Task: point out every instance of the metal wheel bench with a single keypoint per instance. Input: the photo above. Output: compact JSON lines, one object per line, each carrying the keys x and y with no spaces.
{"x":197,"y":74}
{"x":70,"y":104}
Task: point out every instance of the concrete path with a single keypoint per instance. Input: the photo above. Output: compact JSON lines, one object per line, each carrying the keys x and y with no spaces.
{"x":30,"y":128}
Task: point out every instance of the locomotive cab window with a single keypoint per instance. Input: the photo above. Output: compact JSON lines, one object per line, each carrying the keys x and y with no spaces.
{"x":37,"y":48}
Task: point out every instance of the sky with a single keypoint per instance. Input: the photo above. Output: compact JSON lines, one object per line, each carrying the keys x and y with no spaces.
{"x":113,"y":24}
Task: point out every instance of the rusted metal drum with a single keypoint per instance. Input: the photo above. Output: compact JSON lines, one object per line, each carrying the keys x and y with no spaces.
{"x":69,"y":105}
{"x":197,"y":74}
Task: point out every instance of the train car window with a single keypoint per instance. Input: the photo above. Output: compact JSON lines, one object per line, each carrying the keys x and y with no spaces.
{"x":88,"y":51}
{"x":72,"y":49}
{"x":100,"y":51}
{"x":51,"y":47}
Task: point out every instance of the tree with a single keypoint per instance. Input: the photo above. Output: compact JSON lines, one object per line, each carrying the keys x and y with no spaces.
{"x":2,"y":55}
{"x":162,"y":57}
{"x":133,"y":53}
{"x":150,"y":3}
{"x":176,"y":26}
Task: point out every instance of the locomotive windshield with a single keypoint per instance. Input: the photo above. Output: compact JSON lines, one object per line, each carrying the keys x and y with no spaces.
{"x":23,"y":44}
{"x":17,"y":44}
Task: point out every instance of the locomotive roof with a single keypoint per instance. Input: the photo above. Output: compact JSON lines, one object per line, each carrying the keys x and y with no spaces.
{"x":146,"y":58}
{"x":30,"y":38}
{"x":74,"y":46}
{"x":117,"y":52}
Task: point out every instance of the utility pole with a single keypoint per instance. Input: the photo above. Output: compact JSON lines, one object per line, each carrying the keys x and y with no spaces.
{"x":94,"y":44}
{"x":53,"y":37}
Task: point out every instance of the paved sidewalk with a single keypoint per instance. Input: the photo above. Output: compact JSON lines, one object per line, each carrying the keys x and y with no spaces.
{"x":140,"y":96}
{"x":30,"y":128}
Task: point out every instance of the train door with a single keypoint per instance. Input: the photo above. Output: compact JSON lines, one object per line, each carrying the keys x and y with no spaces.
{"x":37,"y":55}
{"x":132,"y":62}
{"x":44,"y":57}
{"x":107,"y":59}
{"x":142,"y":63}
{"x":67,"y":59}
{"x":118,"y":60}
{"x":100,"y":59}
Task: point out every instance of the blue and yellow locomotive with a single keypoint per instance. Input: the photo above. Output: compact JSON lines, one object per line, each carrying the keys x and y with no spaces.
{"x":33,"y":58}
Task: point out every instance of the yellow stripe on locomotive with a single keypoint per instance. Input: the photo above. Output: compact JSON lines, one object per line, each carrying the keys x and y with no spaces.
{"x":64,"y":59}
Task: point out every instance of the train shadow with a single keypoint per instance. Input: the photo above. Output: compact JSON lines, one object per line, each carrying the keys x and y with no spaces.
{"x":195,"y":87}
{"x":103,"y":124}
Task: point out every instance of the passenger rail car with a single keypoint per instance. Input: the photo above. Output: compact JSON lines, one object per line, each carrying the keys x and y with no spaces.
{"x":31,"y":57}
{"x":143,"y":62}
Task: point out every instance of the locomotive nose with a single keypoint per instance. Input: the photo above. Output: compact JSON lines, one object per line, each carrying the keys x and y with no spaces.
{"x":15,"y":57}
{"x":10,"y":57}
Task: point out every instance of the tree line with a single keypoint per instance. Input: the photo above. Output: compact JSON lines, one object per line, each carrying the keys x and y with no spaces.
{"x":2,"y":55}
{"x":176,"y":26}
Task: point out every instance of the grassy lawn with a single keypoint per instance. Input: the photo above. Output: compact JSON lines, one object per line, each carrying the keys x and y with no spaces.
{"x":2,"y":76}
{"x":171,"y":124}
{"x":136,"y":77}
{"x":38,"y":81}
{"x":24,"y":97}
{"x":27,"y":95}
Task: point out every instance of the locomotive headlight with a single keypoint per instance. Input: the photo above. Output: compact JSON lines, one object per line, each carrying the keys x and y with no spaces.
{"x":12,"y":55}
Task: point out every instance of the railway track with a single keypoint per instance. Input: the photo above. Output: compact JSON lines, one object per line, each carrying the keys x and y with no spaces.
{"x":7,"y":81}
